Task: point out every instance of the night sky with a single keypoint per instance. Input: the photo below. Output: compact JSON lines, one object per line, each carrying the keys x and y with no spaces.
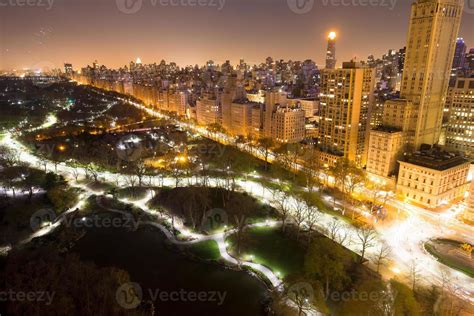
{"x":79,"y":31}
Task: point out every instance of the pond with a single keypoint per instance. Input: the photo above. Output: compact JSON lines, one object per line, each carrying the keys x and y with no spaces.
{"x":156,"y":266}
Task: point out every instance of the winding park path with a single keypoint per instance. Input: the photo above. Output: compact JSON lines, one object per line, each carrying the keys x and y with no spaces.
{"x":405,"y":238}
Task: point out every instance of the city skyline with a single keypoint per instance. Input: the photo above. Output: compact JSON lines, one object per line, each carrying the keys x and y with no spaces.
{"x":192,"y":35}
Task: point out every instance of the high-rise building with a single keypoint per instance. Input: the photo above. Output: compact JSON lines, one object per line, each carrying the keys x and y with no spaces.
{"x":331,"y":51}
{"x":208,"y":109}
{"x":273,"y":99}
{"x":469,"y":62}
{"x":68,"y":69}
{"x":433,"y":30}
{"x":459,"y":54}
{"x":288,"y":124}
{"x":385,"y":146}
{"x":241,"y":118}
{"x":460,"y":127}
{"x":345,"y":103}
{"x":256,"y":131}
{"x":459,"y":61}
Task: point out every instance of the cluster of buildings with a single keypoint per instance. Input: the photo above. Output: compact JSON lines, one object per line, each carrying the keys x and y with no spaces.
{"x":407,"y":118}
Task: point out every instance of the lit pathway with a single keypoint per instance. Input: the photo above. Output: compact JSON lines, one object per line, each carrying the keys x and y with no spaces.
{"x":406,"y":237}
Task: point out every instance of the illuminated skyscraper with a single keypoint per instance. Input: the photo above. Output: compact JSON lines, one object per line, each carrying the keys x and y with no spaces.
{"x":433,"y":30}
{"x":459,"y":54}
{"x":331,"y":52}
{"x":460,"y":128}
{"x":345,"y":102}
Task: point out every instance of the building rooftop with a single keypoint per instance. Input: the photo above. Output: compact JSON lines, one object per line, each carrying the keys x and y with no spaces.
{"x":436,"y":159}
{"x":387,"y":129}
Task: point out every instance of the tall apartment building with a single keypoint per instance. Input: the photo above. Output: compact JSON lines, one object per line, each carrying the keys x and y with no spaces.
{"x":208,"y":109}
{"x":432,"y":34}
{"x":178,"y":102}
{"x":385,"y":148}
{"x":288,"y":124}
{"x":331,"y":51}
{"x":345,"y":104}
{"x":387,"y":142}
{"x":68,"y":70}
{"x":273,"y":99}
{"x":460,"y":127}
{"x":256,"y":131}
{"x":233,"y":92}
{"x":433,"y":178}
{"x":241,"y":118}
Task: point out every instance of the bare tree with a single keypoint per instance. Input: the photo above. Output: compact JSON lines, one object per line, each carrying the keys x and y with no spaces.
{"x":9,"y":157}
{"x":414,"y":273}
{"x":283,"y":208}
{"x":301,"y":300}
{"x":333,"y":228}
{"x":312,"y":218}
{"x":93,"y":170}
{"x":265,"y":146}
{"x":366,"y":236}
{"x":343,"y":238}
{"x":140,"y":171}
{"x":176,"y":173}
{"x":300,"y":208}
{"x":131,"y":181}
{"x":381,"y":255}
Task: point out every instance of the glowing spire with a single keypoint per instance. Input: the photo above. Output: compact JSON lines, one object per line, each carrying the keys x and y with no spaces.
{"x":332,"y":35}
{"x":139,"y":61}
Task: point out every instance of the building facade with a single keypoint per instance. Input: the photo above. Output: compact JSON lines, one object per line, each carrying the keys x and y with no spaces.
{"x":432,"y":35}
{"x":331,"y":51}
{"x":460,"y":127}
{"x":208,"y":110}
{"x":288,"y":124}
{"x":345,"y":103}
{"x":385,"y":148}
{"x":433,"y":179}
